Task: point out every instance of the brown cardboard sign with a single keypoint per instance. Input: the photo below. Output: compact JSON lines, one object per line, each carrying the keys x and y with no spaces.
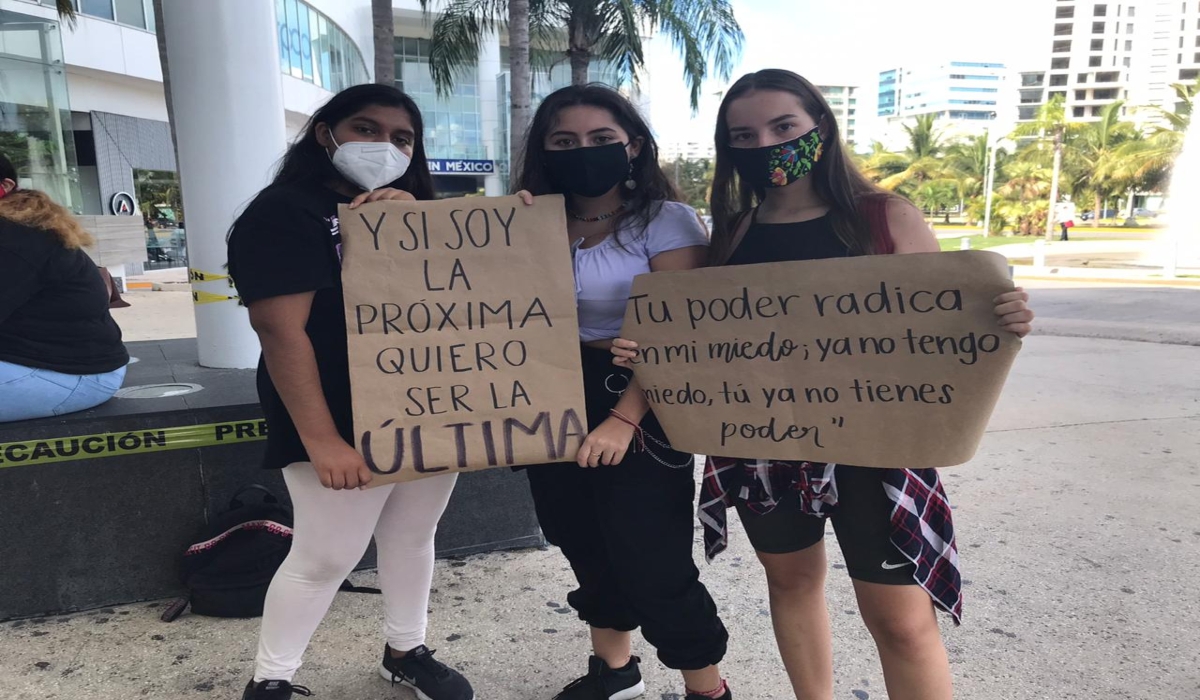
{"x":463,"y":335}
{"x":881,"y":361}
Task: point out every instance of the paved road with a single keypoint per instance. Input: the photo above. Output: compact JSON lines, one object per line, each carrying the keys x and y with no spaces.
{"x":1077,"y":521}
{"x":1123,"y":312}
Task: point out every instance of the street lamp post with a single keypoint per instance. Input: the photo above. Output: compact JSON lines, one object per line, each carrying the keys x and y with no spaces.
{"x":1058,"y":146}
{"x":989,"y":183}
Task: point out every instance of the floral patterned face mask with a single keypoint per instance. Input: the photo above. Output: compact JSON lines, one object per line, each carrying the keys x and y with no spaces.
{"x":782,"y":164}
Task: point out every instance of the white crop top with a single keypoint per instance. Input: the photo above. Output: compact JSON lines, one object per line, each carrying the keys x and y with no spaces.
{"x":604,"y":273}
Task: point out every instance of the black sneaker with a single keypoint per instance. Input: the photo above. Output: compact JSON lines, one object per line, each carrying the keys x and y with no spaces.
{"x":274,"y":690}
{"x":429,"y":678}
{"x":727,"y":696}
{"x":604,"y":683}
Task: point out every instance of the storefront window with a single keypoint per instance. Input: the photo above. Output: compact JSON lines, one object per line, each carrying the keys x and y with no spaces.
{"x":314,"y":49}
{"x":161,"y":202}
{"x":35,"y":117}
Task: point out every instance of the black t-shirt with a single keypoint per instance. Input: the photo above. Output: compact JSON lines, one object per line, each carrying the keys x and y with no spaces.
{"x":802,"y":240}
{"x":288,"y":241}
{"x":54,"y":306}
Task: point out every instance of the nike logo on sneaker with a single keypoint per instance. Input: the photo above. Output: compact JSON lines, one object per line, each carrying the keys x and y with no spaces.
{"x":890,"y":567}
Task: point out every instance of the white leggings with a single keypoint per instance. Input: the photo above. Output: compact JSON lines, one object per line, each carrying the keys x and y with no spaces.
{"x":332,"y":531}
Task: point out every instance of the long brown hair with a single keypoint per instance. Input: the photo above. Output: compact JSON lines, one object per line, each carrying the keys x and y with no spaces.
{"x":36,"y":210}
{"x":644,"y":202}
{"x":836,"y":179}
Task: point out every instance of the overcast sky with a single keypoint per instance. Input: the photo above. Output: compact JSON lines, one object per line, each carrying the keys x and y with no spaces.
{"x":850,"y":41}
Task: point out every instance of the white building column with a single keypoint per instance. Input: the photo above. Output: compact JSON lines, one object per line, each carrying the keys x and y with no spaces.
{"x":223,"y":58}
{"x":489,"y":106}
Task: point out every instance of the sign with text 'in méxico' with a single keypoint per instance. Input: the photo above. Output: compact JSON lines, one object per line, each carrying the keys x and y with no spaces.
{"x":880,"y":361}
{"x":463,"y":335}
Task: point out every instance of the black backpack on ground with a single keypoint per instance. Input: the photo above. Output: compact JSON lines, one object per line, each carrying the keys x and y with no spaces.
{"x":228,"y":570}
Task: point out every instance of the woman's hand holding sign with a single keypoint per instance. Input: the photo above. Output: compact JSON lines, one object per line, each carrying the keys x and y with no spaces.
{"x":1014,"y":312}
{"x":606,"y":445}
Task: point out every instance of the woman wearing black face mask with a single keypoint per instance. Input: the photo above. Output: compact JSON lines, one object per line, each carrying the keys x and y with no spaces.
{"x":785,"y":190}
{"x":623,"y":517}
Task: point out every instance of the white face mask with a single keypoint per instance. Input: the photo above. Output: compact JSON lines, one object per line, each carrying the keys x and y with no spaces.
{"x":369,"y":164}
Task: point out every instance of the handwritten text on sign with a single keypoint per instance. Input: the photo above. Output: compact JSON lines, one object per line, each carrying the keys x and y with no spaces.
{"x":463,"y":336}
{"x":883,"y":361}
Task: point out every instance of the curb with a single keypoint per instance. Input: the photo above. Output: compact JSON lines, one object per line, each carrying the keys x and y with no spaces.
{"x":1074,"y":274}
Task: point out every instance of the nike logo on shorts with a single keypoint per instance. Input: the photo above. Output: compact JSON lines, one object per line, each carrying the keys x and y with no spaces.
{"x":890,"y":567}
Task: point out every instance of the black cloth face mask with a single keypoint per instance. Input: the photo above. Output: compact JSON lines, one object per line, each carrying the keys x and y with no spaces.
{"x":587,"y":172}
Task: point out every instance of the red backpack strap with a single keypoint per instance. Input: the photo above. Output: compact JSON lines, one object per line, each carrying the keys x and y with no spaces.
{"x":874,"y":211}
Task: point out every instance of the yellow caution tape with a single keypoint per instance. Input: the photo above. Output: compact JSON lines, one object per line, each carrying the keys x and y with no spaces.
{"x":210,"y":298}
{"x":79,"y":447}
{"x":195,"y":275}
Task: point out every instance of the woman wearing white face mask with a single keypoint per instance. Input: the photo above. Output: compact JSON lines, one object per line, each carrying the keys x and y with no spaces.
{"x":285,"y":255}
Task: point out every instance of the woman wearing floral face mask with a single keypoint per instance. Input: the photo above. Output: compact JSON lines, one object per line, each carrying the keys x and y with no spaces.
{"x":786,"y":190}
{"x":285,"y":256}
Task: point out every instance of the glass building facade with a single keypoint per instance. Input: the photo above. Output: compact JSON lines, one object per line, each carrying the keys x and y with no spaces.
{"x":454,"y":123}
{"x":314,"y":49}
{"x":35,"y":117}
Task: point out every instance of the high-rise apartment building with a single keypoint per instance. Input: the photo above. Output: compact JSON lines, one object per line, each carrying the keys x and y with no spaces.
{"x":1102,"y":52}
{"x":843,"y":101}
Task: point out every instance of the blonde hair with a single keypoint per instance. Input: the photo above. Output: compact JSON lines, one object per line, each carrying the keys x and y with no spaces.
{"x":36,"y":210}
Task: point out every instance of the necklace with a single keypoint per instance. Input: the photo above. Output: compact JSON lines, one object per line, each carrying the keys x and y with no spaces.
{"x":594,"y":219}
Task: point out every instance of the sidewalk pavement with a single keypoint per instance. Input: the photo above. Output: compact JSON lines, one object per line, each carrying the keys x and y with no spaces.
{"x":1078,"y":531}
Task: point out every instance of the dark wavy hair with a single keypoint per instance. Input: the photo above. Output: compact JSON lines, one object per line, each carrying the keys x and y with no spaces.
{"x":653,"y":188}
{"x":836,"y":179}
{"x":307,"y":161}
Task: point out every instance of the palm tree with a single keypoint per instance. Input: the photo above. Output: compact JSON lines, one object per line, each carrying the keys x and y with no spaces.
{"x":1105,"y":170}
{"x":520,"y":78}
{"x":704,"y":32}
{"x":1051,"y":128}
{"x":1023,"y":196}
{"x":968,"y":161}
{"x":66,"y":10}
{"x":161,"y":38}
{"x":919,"y":163}
{"x":937,"y":195}
{"x":924,"y":138}
{"x":385,"y":41}
{"x":1150,"y":159}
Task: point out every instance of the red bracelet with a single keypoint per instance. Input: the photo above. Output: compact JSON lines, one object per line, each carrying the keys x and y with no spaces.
{"x":637,"y":429}
{"x":619,"y":416}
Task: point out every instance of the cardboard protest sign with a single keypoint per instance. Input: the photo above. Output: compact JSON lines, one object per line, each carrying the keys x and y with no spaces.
{"x":880,"y":361}
{"x":463,"y":335}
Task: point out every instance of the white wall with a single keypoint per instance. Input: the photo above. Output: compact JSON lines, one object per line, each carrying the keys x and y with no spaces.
{"x":94,"y":91}
{"x":112,"y":48}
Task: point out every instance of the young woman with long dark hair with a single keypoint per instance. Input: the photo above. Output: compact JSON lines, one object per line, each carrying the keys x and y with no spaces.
{"x":785,"y":189}
{"x":622,"y":517}
{"x":365,"y":144}
{"x":60,"y":349}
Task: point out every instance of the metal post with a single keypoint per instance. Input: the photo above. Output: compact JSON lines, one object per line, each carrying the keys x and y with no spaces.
{"x":1058,"y":143}
{"x":989,"y":184}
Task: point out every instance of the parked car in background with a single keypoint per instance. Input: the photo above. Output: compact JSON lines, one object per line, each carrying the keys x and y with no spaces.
{"x":1106,"y":214}
{"x":1142,"y":213}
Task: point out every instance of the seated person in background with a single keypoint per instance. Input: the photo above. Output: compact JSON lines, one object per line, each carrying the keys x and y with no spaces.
{"x":60,"y":349}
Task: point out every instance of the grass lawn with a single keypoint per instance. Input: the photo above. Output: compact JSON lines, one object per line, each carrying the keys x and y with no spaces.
{"x":981,"y":243}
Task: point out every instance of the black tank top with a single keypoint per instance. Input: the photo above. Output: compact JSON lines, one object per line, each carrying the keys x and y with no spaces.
{"x":802,"y":240}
